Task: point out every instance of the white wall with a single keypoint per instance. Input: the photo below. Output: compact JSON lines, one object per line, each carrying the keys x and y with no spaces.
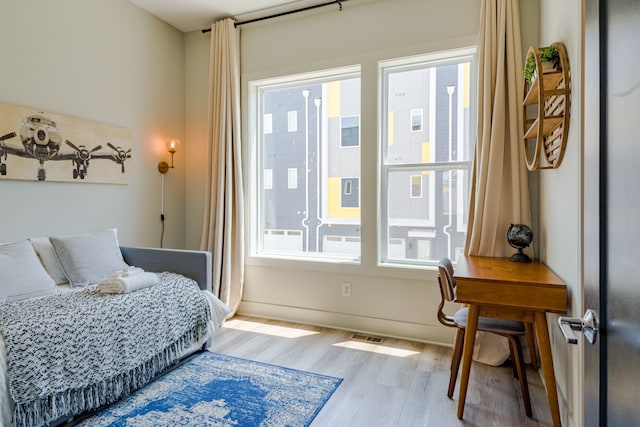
{"x":196,"y":121}
{"x":560,"y":203}
{"x":390,"y":301}
{"x":110,"y":62}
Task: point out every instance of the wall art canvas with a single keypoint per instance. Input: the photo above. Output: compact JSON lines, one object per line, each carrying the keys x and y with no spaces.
{"x":40,"y":146}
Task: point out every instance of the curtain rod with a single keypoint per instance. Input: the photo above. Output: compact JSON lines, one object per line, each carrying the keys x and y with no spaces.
{"x":277,"y":15}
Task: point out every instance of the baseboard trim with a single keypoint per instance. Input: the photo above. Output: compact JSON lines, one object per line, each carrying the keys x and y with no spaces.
{"x":426,"y":333}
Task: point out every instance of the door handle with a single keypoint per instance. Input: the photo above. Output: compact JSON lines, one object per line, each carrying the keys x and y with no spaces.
{"x":588,"y":325}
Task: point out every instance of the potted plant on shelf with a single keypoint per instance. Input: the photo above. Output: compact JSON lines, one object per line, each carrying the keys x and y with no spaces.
{"x":550,"y":59}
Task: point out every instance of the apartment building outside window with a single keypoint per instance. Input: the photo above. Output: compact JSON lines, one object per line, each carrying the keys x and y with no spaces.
{"x":308,"y":146}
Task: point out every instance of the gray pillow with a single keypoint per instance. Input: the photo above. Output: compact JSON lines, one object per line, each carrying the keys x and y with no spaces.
{"x":49,"y":260}
{"x":88,"y":258}
{"x":23,"y":276}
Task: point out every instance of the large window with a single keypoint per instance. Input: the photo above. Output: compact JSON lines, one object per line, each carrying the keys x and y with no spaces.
{"x":307,"y":133}
{"x":427,"y":115}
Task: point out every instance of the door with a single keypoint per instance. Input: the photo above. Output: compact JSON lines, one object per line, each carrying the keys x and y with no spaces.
{"x":612,"y":210}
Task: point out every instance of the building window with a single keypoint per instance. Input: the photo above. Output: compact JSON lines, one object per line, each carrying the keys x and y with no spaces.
{"x":346,"y":187}
{"x":318,"y":220}
{"x":433,"y":155}
{"x":267,"y":180}
{"x":292,"y":181}
{"x":292,"y":121}
{"x":350,"y":193}
{"x":416,"y":186}
{"x":267,"y":124}
{"x":416,"y":120}
{"x":350,"y":131}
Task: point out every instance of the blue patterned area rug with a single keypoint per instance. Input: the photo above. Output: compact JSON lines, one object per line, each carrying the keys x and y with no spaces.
{"x":216,"y":390}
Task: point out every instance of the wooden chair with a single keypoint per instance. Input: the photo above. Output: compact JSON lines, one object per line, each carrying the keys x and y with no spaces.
{"x":512,"y":330}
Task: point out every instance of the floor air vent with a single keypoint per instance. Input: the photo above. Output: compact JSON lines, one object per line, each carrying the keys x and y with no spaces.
{"x":367,"y":338}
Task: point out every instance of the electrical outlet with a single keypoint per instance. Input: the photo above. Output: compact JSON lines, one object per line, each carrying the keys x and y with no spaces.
{"x":346,"y":289}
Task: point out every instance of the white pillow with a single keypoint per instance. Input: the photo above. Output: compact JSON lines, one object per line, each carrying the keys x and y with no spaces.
{"x":88,"y":258}
{"x":47,"y":255}
{"x":23,"y":276}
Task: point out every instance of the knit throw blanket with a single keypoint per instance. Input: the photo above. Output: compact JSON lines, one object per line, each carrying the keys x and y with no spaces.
{"x":74,"y":352}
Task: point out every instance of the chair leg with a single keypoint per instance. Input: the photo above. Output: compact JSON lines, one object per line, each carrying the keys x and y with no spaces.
{"x":531,"y":342}
{"x":513,"y":364}
{"x":455,"y":360}
{"x":516,"y":352}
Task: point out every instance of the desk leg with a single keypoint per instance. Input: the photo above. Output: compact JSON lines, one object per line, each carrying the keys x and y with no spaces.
{"x":467,"y":354}
{"x":542,"y":334}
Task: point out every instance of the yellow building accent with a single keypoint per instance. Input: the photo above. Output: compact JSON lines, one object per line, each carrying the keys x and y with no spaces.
{"x":390,"y":126}
{"x":333,"y":200}
{"x":333,"y":99}
{"x":426,"y":152}
{"x":426,"y":155}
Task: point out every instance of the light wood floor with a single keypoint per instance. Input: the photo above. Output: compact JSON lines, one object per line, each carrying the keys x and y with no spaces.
{"x":396,"y":383}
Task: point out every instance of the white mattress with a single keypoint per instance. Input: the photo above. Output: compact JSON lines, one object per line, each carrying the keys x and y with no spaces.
{"x":218,"y":309}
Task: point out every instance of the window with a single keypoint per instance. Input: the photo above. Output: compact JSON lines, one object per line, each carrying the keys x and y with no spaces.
{"x":434,"y":94}
{"x":416,"y":120}
{"x":350,"y":131}
{"x":292,"y":121}
{"x":346,"y":187}
{"x":292,"y":182}
{"x":267,"y":123}
{"x":267,"y":180}
{"x":350,"y":193}
{"x":313,"y":208}
{"x":416,"y":186}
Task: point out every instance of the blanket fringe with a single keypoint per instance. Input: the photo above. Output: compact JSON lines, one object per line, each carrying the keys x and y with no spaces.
{"x":50,"y":408}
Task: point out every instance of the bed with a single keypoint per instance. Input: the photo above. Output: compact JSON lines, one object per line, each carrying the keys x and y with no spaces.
{"x":68,"y":348}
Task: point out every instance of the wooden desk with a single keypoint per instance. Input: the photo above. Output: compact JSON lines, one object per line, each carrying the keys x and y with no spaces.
{"x":497,"y":287}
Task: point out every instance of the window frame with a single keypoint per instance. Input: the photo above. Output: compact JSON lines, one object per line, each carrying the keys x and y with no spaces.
{"x":255,"y":117}
{"x":385,"y":67}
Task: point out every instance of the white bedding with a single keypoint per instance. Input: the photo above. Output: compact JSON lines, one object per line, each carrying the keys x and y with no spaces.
{"x":219,"y":311}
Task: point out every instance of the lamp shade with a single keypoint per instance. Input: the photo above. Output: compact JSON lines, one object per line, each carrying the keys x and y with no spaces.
{"x":172,"y":144}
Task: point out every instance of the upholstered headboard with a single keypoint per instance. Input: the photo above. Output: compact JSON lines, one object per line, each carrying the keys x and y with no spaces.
{"x":193,"y":264}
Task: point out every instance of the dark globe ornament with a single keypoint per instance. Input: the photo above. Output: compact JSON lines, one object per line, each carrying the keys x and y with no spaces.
{"x":519,"y":236}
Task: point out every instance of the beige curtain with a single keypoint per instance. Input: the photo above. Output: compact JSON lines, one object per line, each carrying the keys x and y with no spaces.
{"x":499,"y":189}
{"x":223,"y":228}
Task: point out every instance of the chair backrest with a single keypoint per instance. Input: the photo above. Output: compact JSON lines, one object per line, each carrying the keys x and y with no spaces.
{"x":446,"y":280}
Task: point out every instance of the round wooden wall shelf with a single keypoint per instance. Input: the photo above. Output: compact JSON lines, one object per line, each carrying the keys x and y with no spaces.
{"x":546,"y":106}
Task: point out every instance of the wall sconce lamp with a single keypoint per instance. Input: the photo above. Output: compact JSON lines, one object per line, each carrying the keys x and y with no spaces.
{"x":172,"y":146}
{"x":163,"y":167}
